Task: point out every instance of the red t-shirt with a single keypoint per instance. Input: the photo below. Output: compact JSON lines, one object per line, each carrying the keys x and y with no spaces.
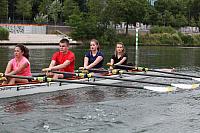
{"x":60,"y":58}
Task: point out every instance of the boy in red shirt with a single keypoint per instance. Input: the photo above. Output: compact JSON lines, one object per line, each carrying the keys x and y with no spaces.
{"x":63,"y":60}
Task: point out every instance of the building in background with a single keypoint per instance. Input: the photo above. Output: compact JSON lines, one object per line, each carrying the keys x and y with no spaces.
{"x":152,"y":1}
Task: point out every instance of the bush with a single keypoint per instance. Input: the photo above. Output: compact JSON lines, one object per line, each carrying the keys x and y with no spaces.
{"x":196,"y":39}
{"x":4,"y":34}
{"x":150,"y":39}
{"x":187,"y":39}
{"x":177,"y":39}
{"x":161,"y":39}
{"x":109,"y":37}
{"x":162,"y":29}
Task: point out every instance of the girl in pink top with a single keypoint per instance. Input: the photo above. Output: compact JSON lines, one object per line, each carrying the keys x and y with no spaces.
{"x":18,"y":65}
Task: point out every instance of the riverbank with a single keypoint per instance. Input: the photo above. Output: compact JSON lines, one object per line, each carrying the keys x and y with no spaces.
{"x":35,"y":39}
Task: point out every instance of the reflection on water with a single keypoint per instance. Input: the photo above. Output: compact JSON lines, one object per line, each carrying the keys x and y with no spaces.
{"x":121,"y":92}
{"x":18,"y":107}
{"x":95,"y":95}
{"x":62,"y":99}
{"x":149,"y":56}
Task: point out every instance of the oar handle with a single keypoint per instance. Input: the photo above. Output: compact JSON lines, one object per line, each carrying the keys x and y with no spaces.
{"x":2,"y":74}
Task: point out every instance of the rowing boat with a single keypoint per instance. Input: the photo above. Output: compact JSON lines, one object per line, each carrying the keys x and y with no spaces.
{"x":34,"y":88}
{"x":52,"y":85}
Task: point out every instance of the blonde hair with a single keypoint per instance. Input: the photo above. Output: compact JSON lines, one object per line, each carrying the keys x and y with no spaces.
{"x":97,"y":43}
{"x":123,"y":51}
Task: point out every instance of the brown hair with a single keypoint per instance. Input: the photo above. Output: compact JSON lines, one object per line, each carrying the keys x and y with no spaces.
{"x":24,"y":49}
{"x":64,"y":40}
{"x":123,"y":51}
{"x":97,"y":43}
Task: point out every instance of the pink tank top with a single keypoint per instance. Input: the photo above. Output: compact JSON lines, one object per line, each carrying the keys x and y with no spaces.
{"x":26,"y":71}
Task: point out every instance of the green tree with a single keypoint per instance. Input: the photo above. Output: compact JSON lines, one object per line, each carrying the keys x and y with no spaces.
{"x":180,"y":20}
{"x":41,"y":18}
{"x":55,"y":10}
{"x":35,"y":4}
{"x":151,"y":16}
{"x":129,"y":11}
{"x":172,"y":20}
{"x":4,"y":9}
{"x":195,"y":9}
{"x":112,"y":12}
{"x":44,"y":6}
{"x":24,"y":8}
{"x":198,"y":22}
{"x":166,"y":17}
{"x":96,"y":12}
{"x":178,"y":8}
{"x":68,"y":7}
{"x":193,"y":22}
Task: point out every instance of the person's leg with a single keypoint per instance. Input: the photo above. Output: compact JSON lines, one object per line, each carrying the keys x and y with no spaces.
{"x":17,"y":80}
{"x":57,"y":76}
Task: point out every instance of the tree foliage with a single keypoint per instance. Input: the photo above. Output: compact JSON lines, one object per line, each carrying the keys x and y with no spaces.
{"x":24,"y":8}
{"x":163,"y":12}
{"x":68,"y":7}
{"x":44,"y":6}
{"x":41,"y":18}
{"x":55,"y":10}
{"x":4,"y":9}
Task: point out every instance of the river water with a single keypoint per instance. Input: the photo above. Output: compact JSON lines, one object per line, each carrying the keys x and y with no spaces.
{"x":107,"y":109}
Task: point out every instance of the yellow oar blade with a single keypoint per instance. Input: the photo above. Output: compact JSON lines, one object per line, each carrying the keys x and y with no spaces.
{"x":186,"y":86}
{"x":160,"y":89}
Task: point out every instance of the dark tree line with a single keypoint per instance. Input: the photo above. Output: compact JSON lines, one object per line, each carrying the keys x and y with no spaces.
{"x":176,"y":13}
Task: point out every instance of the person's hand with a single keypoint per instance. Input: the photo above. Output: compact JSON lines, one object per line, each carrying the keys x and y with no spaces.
{"x":109,"y":64}
{"x":46,"y":69}
{"x":3,"y":79}
{"x":82,"y":68}
{"x":2,"y":74}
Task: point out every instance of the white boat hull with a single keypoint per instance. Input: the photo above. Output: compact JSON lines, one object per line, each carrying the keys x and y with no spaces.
{"x":21,"y":90}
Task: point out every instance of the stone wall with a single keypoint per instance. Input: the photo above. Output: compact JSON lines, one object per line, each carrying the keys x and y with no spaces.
{"x":25,"y":28}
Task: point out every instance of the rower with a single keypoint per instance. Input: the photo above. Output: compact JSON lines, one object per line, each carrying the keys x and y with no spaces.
{"x":119,"y":57}
{"x":19,"y":65}
{"x":94,"y":57}
{"x":63,"y":60}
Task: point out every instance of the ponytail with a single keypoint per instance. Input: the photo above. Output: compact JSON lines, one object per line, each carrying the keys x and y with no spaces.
{"x":24,"y":49}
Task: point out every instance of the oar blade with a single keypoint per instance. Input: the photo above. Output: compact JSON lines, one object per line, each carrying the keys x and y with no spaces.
{"x":197,"y":79}
{"x":186,"y":86}
{"x":160,"y":89}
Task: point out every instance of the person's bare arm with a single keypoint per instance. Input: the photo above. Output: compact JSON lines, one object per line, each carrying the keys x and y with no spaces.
{"x":20,"y":68}
{"x":98,"y":59}
{"x":121,"y":61}
{"x":57,"y":67}
{"x":86,"y":60}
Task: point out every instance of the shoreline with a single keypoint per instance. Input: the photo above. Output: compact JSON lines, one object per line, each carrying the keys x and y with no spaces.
{"x":35,"y":39}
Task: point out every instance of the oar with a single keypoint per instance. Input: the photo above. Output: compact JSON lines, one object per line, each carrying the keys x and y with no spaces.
{"x":45,"y":79}
{"x":90,"y":75}
{"x":164,"y":76}
{"x":159,"y":71}
{"x":118,"y":71}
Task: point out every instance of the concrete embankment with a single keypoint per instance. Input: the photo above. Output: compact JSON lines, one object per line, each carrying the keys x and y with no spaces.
{"x":34,"y":39}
